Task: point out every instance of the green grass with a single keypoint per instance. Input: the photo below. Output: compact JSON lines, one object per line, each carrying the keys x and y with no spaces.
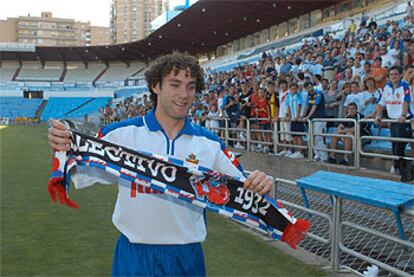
{"x":42,"y":238}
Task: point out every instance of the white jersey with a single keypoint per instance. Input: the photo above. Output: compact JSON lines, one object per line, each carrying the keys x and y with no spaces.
{"x":282,"y":103}
{"x":142,"y":214}
{"x":357,"y":99}
{"x":393,"y":99}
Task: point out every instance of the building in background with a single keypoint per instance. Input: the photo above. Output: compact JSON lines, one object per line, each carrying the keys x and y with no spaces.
{"x":168,"y":15}
{"x":49,"y":31}
{"x":131,"y":19}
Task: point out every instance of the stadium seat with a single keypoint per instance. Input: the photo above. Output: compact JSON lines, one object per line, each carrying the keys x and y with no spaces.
{"x":90,"y":107}
{"x":7,"y":70}
{"x":58,"y":107}
{"x":13,"y":107}
{"x":35,"y":71}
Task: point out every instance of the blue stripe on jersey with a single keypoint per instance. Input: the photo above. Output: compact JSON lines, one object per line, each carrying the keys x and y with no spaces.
{"x":136,"y":121}
{"x":293,"y":101}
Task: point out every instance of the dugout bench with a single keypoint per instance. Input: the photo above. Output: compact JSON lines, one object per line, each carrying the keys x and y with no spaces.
{"x":385,"y":194}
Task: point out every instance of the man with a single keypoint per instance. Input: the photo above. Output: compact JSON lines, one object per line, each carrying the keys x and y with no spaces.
{"x":357,"y":69}
{"x":232,"y":107}
{"x":285,"y":137}
{"x":379,"y":73}
{"x":316,"y":109}
{"x":329,"y":66}
{"x":347,"y":78}
{"x":245,"y":110}
{"x":262,"y":115}
{"x":294,"y":105}
{"x":355,"y":97}
{"x":396,"y":99}
{"x":346,"y":128}
{"x":161,"y":235}
{"x":367,"y":71}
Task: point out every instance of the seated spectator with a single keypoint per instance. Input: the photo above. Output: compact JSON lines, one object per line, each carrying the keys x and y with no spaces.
{"x":346,"y":128}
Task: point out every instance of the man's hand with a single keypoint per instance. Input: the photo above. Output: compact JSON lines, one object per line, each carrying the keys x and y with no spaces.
{"x":377,"y":120}
{"x":401,"y":119}
{"x":58,"y":136}
{"x":258,"y":182}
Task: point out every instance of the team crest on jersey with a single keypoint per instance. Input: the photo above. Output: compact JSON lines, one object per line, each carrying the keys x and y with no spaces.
{"x":192,"y":159}
{"x":398,"y":95}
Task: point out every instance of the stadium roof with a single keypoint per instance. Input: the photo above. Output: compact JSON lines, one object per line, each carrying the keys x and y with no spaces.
{"x":201,"y":28}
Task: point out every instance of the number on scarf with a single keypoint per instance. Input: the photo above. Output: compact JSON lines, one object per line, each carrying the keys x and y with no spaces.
{"x":246,"y":198}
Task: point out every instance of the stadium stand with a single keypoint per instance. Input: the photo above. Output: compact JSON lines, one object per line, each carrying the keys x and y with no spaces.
{"x":18,"y":107}
{"x":130,"y":91}
{"x":76,"y":72}
{"x":8,"y":70}
{"x":120,"y":71}
{"x":258,"y":65}
{"x":35,"y":71}
{"x":58,"y":107}
{"x":90,"y":107}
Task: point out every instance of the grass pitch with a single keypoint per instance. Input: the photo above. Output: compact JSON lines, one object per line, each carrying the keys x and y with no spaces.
{"x":42,"y":238}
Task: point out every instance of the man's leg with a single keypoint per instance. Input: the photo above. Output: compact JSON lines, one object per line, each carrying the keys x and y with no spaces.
{"x":319,"y":129}
{"x":402,"y":131}
{"x":333,"y":145}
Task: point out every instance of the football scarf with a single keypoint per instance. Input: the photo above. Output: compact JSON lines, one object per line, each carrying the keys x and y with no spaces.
{"x":198,"y":185}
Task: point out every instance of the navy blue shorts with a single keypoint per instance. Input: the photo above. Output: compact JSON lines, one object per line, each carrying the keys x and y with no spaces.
{"x":296,"y":126}
{"x":136,"y":259}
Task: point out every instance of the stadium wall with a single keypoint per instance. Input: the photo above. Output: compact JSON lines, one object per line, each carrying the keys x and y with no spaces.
{"x":293,"y":169}
{"x":95,"y":93}
{"x":11,"y":93}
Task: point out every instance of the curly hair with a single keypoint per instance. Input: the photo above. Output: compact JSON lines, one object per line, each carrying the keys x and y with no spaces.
{"x":175,"y":62}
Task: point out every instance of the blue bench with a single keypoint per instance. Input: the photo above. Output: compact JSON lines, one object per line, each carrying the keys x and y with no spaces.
{"x":375,"y":192}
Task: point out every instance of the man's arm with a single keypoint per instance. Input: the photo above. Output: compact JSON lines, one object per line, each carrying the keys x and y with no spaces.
{"x":404,"y":114}
{"x":312,"y":111}
{"x":378,"y":114}
{"x":58,"y":139}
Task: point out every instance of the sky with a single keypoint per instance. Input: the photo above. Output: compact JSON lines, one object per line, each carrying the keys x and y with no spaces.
{"x":95,"y":11}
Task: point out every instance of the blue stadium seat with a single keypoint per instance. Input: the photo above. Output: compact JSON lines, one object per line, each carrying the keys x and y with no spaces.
{"x":90,"y":108}
{"x":13,"y":107}
{"x":58,"y":107}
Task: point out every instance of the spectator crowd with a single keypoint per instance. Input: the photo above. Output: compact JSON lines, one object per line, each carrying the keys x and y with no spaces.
{"x":332,"y":77}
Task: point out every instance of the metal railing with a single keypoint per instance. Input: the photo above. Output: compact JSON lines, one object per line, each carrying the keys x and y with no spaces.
{"x":357,"y":150}
{"x":325,"y":134}
{"x":361,"y":151}
{"x":359,"y":236}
